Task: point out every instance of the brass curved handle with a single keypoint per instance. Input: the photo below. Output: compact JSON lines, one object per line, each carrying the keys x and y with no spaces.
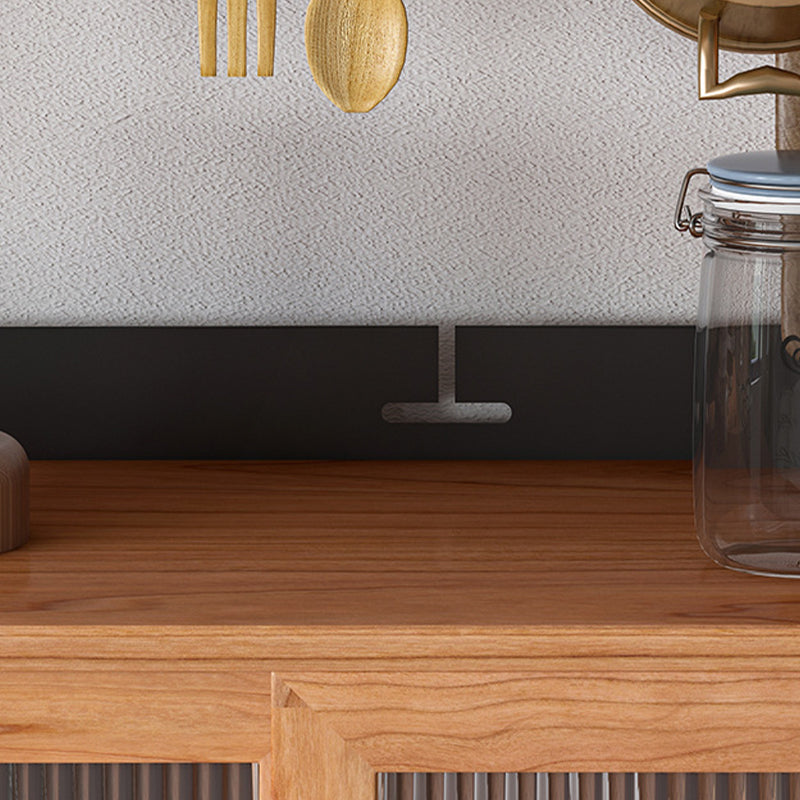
{"x":755,"y":81}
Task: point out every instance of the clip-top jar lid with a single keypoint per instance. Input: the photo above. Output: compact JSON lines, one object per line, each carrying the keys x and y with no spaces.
{"x":766,"y":173}
{"x":763,"y":182}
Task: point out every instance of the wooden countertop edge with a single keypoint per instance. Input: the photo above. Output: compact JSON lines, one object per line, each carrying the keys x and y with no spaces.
{"x":395,"y":643}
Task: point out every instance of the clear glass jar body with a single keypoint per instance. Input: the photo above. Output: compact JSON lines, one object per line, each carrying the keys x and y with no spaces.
{"x":747,"y":388}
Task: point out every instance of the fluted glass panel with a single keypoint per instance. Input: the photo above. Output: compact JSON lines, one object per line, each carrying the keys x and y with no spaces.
{"x":129,"y":782}
{"x":587,"y":786}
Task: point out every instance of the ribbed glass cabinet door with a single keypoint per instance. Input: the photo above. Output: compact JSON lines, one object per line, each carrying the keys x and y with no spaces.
{"x":128,"y":782}
{"x":588,"y":786}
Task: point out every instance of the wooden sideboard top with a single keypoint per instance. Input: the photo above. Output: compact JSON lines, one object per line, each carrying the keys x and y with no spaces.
{"x":556,"y":611}
{"x":551,"y":545}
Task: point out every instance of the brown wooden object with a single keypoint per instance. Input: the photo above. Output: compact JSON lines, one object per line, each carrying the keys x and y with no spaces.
{"x":787,"y":116}
{"x":310,"y":759}
{"x":787,"y":137}
{"x":207,"y":24}
{"x":14,"y":494}
{"x":237,"y":38}
{"x":266,"y":10}
{"x":356,"y":49}
{"x":334,"y":620}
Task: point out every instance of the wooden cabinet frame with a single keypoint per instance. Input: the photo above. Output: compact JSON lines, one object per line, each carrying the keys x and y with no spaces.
{"x":332,"y":732}
{"x":331,"y":621}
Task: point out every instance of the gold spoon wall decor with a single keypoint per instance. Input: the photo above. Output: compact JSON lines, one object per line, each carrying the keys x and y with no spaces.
{"x":356,"y":49}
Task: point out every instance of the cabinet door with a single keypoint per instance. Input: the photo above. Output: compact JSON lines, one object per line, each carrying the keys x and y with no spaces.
{"x":332,"y":733}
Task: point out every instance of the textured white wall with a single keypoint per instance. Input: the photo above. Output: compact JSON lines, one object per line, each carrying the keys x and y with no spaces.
{"x":523,"y":171}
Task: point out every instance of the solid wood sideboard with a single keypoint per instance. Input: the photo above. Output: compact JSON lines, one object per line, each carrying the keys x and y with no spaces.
{"x":335,"y":619}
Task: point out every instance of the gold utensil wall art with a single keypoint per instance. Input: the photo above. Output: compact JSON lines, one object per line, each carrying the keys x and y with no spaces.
{"x":237,"y":37}
{"x":356,"y":48}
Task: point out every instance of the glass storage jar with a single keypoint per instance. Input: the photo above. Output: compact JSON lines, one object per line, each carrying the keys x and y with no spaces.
{"x":747,"y":368}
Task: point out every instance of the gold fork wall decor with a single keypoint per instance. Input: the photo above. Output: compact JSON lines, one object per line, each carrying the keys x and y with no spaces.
{"x":237,"y":37}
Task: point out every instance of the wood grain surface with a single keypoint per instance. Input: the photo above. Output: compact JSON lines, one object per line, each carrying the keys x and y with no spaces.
{"x":155,"y":602}
{"x":207,"y":31}
{"x":787,"y":107}
{"x":374,"y":544}
{"x":356,"y":49}
{"x":787,"y":137}
{"x":620,"y":720}
{"x":266,"y":12}
{"x":73,"y":709}
{"x":14,"y":494}
{"x":309,"y":758}
{"x":237,"y":38}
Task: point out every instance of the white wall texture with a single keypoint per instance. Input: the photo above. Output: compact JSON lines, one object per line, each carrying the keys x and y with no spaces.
{"x":522,"y":171}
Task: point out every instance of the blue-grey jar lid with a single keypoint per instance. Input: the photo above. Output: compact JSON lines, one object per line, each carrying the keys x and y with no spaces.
{"x":767,"y":173}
